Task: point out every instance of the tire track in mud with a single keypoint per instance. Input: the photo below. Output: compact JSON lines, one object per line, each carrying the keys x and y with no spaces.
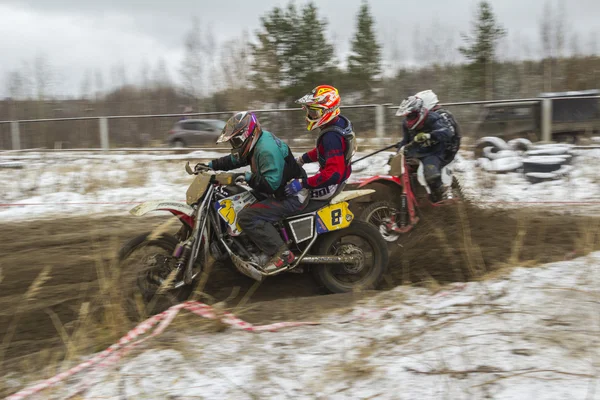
{"x":463,"y":242}
{"x":79,"y":250}
{"x":449,"y":244}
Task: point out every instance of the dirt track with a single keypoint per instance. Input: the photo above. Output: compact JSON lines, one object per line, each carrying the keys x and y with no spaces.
{"x":77,"y":250}
{"x":468,"y":244}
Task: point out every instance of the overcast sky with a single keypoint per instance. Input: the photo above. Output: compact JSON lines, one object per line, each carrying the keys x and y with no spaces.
{"x":87,"y":35}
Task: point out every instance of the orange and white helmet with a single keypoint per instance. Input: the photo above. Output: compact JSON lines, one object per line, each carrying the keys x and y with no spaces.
{"x":322,"y":105}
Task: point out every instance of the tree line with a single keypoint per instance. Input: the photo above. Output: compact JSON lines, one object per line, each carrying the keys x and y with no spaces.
{"x":293,"y":50}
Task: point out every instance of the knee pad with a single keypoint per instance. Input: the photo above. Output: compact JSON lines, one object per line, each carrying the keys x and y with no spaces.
{"x":432,"y":173}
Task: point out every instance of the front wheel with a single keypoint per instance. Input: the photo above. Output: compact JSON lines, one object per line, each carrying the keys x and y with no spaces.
{"x":147,"y":274}
{"x":361,"y":240}
{"x":382,"y":214}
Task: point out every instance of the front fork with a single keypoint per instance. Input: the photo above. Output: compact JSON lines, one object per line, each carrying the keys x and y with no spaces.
{"x":407,"y":218}
{"x":187,"y":251}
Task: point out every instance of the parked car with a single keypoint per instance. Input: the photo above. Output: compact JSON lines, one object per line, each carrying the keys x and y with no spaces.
{"x":195,"y":132}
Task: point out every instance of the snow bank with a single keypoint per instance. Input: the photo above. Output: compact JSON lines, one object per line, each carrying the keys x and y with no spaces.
{"x":111,"y":181}
{"x":533,"y":334}
{"x":580,"y":185}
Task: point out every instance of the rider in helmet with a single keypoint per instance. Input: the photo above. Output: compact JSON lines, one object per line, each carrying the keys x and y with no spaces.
{"x":335,"y":144}
{"x":272,"y":165}
{"x":435,"y":134}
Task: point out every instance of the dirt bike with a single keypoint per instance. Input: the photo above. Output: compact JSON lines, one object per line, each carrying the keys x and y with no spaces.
{"x":320,"y":236}
{"x":406,"y":191}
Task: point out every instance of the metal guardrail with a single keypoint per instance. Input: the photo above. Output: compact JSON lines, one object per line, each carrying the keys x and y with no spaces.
{"x":191,"y":150}
{"x":546,"y":122}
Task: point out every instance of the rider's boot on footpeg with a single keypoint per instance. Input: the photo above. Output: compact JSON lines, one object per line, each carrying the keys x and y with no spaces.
{"x":280,"y":261}
{"x":437,"y":193}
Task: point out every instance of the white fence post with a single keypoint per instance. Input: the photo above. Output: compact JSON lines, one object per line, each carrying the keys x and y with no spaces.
{"x":15,"y":134}
{"x":380,"y":120}
{"x":546,"y":124}
{"x":104,"y":133}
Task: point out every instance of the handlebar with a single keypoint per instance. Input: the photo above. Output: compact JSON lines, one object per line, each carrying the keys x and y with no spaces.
{"x":222,"y":178}
{"x":406,"y":146}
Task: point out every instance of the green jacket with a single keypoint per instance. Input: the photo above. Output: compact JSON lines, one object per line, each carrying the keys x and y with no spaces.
{"x":271,"y":162}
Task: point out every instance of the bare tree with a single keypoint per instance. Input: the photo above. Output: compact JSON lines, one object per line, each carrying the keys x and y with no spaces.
{"x":15,"y":85}
{"x":85,"y":90}
{"x":553,"y":34}
{"x":235,"y":70}
{"x":547,"y":45}
{"x":593,"y":44}
{"x":192,"y":67}
{"x":118,"y":74}
{"x":560,"y":27}
{"x":575,"y":48}
{"x":98,"y":84}
{"x":145,"y":74}
{"x":160,"y":76}
{"x":210,"y":50}
{"x":560,"y":37}
{"x":436,"y":47}
{"x":42,"y":72}
{"x":393,"y":52}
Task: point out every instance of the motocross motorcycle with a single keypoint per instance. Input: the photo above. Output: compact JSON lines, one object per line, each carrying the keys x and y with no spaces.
{"x":409,"y":193}
{"x":342,"y":253}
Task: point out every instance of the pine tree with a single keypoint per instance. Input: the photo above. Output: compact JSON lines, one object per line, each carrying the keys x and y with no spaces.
{"x":312,"y":61}
{"x":292,"y":54}
{"x":481,"y":48}
{"x":364,"y":63}
{"x":268,"y":64}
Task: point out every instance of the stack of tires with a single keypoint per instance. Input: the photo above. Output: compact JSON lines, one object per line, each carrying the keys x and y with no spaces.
{"x":547,"y":162}
{"x":538,"y":163}
{"x":495,"y":155}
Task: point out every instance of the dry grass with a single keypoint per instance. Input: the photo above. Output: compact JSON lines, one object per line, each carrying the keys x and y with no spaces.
{"x":101,"y":318}
{"x":29,"y":296}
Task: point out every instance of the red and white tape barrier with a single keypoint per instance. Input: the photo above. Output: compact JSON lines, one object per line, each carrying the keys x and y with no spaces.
{"x":112,"y":354}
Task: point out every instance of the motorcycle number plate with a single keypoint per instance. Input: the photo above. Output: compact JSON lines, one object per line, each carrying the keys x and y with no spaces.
{"x":334,"y":217}
{"x":230,"y":207}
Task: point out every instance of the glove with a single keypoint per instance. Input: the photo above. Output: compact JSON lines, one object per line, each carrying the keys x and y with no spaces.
{"x":243,"y":177}
{"x":201,"y":166}
{"x":422,"y":137}
{"x":293,"y":187}
{"x":300,"y":161}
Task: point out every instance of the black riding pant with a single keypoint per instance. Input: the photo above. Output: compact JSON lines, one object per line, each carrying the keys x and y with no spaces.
{"x":257,"y":221}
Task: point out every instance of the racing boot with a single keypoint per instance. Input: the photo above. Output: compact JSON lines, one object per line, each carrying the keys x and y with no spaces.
{"x":437,"y":192}
{"x":280,"y":260}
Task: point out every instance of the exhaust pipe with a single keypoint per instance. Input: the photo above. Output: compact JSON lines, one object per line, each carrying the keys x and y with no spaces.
{"x":330,"y":260}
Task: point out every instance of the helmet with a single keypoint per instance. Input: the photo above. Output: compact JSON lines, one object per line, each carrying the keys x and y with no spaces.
{"x":430,"y":99}
{"x":242,"y":132}
{"x":322,"y":105}
{"x":415,"y":112}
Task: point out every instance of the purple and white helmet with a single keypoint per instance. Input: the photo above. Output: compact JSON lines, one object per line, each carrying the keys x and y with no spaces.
{"x":242,"y":132}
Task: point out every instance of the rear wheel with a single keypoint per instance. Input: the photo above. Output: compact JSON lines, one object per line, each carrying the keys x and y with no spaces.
{"x":147,"y":275}
{"x":178,"y":143}
{"x":361,"y":240}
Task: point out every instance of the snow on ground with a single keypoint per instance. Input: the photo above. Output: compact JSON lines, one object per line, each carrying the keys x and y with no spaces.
{"x":108,"y":183}
{"x":532,"y":334}
{"x":582,"y":184}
